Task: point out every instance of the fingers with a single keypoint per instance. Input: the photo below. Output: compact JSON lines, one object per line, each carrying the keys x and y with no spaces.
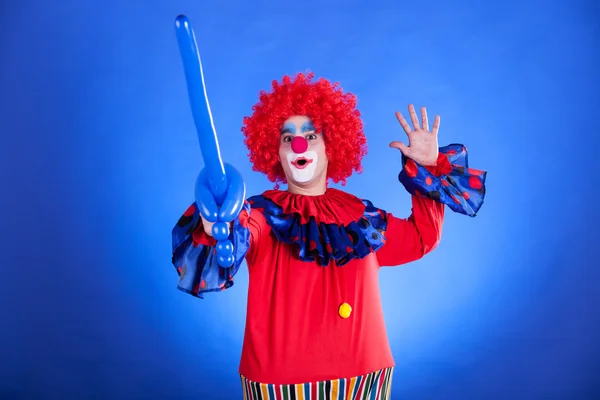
{"x":424,"y":119}
{"x":402,"y":147}
{"x":436,"y":125}
{"x":403,"y":123}
{"x":413,"y":117}
{"x":415,"y":120}
{"x":236,"y":194}
{"x":207,"y":226}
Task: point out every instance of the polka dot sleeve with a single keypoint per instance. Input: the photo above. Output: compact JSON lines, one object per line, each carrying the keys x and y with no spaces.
{"x":450,"y":182}
{"x":194,"y":253}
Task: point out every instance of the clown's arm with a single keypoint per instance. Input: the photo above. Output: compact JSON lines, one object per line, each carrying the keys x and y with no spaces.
{"x":442,"y":178}
{"x":194,"y":251}
{"x":450,"y":183}
{"x":409,"y":239}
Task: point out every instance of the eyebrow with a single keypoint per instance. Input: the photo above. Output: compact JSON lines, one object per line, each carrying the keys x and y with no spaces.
{"x":308,"y":126}
{"x":288,"y":128}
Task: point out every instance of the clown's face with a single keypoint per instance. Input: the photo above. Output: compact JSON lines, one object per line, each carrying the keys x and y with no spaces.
{"x":302,"y":153}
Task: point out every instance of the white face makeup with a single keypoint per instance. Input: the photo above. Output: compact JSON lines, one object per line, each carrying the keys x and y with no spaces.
{"x":302,"y":152}
{"x":303,"y":166}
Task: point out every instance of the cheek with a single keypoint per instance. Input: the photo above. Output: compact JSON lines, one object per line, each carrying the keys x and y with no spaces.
{"x":320,"y":150}
{"x":283,"y":152}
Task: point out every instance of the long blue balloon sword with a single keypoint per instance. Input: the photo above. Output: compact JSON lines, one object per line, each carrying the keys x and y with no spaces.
{"x":207,"y":135}
{"x":213,"y":188}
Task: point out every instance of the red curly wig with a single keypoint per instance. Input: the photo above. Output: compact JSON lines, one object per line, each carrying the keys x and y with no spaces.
{"x":332,"y":112}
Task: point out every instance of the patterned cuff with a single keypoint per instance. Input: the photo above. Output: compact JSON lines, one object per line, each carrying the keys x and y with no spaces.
{"x":195,"y":258}
{"x":450,"y":181}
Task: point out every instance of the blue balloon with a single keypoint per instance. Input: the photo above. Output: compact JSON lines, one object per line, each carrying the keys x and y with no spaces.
{"x":225,"y":247}
{"x":205,"y":200}
{"x":205,"y":128}
{"x":236,"y":194}
{"x":225,"y":262}
{"x":225,"y":253}
{"x":234,"y":198}
{"x":220,"y":190}
{"x":220,"y":231}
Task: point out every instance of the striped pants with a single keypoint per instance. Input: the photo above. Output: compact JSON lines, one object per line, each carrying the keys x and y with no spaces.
{"x":373,"y":386}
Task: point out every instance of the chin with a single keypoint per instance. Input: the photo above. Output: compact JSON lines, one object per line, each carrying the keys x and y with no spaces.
{"x":303,"y":183}
{"x":306,"y":180}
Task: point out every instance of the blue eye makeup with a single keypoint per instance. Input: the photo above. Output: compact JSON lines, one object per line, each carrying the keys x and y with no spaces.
{"x":308,"y":127}
{"x":289,"y":128}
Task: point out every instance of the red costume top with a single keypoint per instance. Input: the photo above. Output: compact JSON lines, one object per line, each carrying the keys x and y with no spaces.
{"x":294,"y":331}
{"x":314,"y":309}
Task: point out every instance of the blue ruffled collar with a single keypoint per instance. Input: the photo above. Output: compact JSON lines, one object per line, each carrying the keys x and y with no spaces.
{"x":333,"y":227}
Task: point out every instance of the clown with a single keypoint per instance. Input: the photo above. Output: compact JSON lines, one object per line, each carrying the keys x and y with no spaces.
{"x":315,"y":326}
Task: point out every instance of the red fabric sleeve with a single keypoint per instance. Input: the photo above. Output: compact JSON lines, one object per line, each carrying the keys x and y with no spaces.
{"x":258,"y":230}
{"x":410,"y":239}
{"x":443,"y":166}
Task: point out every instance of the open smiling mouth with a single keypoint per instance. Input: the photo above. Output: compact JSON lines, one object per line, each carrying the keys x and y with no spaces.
{"x":301,"y":162}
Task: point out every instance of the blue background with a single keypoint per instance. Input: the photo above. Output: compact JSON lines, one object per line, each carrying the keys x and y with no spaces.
{"x":99,"y":156}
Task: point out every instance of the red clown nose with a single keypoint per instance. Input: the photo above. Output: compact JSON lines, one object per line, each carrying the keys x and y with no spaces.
{"x":299,"y":144}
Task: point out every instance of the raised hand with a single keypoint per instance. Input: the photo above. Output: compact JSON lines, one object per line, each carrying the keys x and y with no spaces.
{"x":220,"y":190}
{"x":423,"y":144}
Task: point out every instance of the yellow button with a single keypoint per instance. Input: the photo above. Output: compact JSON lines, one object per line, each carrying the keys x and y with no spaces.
{"x":345,"y":310}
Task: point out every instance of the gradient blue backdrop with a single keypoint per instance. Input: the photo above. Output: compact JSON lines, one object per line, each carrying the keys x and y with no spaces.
{"x":99,"y":156}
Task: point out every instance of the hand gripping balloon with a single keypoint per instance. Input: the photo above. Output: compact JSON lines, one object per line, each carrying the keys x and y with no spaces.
{"x":220,"y":190}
